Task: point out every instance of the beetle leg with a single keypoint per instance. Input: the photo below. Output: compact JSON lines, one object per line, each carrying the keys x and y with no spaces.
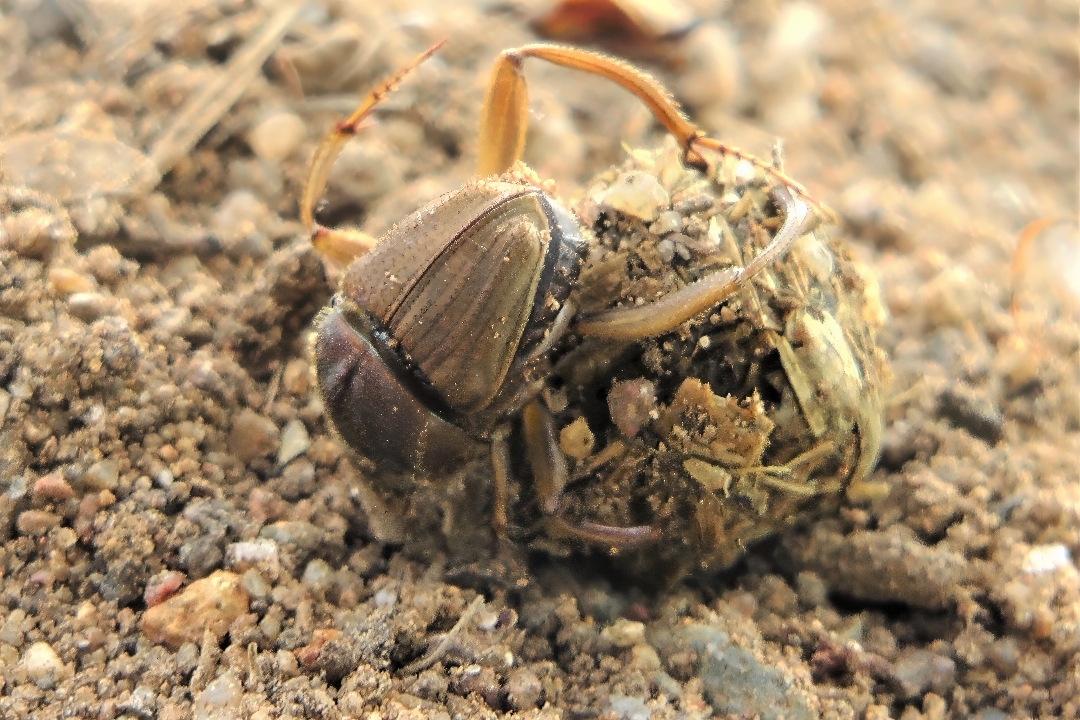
{"x":343,"y":246}
{"x":558,"y":328}
{"x":500,"y":473}
{"x":675,"y":308}
{"x":545,"y":456}
{"x":504,"y":117}
{"x":550,"y":476}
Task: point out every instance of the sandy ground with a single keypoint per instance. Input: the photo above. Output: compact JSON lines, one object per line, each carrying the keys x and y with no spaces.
{"x":184,"y":537}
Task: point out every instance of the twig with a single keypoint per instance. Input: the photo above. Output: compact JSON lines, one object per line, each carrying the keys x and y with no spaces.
{"x":205,"y":109}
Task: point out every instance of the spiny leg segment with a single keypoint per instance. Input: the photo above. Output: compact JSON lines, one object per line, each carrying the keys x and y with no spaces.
{"x":340,"y":245}
{"x":504,"y":117}
{"x":668,"y":312}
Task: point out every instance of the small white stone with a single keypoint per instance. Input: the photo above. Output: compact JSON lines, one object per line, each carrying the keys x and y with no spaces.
{"x":639,"y":195}
{"x":1043,"y":559}
{"x":262,"y":553}
{"x":668,"y":222}
{"x":629,"y":708}
{"x":277,"y":136}
{"x":745,"y":172}
{"x":624,"y":633}
{"x":42,"y":665}
{"x":220,"y":700}
{"x":294,"y":442}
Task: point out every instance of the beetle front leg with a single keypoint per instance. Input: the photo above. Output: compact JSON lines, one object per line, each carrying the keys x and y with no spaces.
{"x":550,"y":476}
{"x":675,"y":308}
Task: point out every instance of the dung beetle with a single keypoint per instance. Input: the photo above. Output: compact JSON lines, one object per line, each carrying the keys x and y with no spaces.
{"x":440,"y":334}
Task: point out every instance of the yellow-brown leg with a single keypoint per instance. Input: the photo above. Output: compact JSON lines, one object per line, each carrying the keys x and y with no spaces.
{"x":670,"y":311}
{"x":500,"y":478}
{"x":504,"y":117}
{"x":550,"y":476}
{"x":342,"y":246}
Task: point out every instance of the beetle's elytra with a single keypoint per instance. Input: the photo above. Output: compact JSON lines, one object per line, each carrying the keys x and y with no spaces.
{"x":442,"y":336}
{"x":436,"y":325}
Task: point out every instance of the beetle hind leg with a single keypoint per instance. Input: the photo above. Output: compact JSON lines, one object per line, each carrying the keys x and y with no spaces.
{"x":504,"y":117}
{"x":342,"y":246}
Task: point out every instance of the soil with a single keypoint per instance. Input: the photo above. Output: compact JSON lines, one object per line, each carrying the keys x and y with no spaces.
{"x":183,"y":536}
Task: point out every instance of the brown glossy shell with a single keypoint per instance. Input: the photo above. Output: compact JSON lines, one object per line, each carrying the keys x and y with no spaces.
{"x":428,"y":343}
{"x":456,"y":284}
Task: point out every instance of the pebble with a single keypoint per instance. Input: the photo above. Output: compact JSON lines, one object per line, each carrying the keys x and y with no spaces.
{"x":971,"y":410}
{"x":252,"y":436}
{"x":638,"y":195}
{"x":162,"y":586}
{"x":221,"y":700}
{"x":668,"y":221}
{"x":103,"y":475}
{"x":713,"y":77}
{"x":917,"y":670}
{"x":318,"y":575}
{"x":384,"y":598}
{"x":142,"y":703}
{"x":36,"y":522}
{"x":277,"y":136}
{"x":33,"y":232}
{"x":257,"y":553}
{"x":211,"y":603}
{"x":954,"y":297}
{"x":296,"y":378}
{"x":107,"y":264}
{"x":11,"y":631}
{"x":793,"y":39}
{"x":76,"y":165}
{"x":303,"y":535}
{"x":628,"y":708}
{"x":576,"y":439}
{"x":294,"y":442}
{"x":240,"y":217}
{"x":42,"y":665}
{"x":883,"y":565}
{"x":665,"y":248}
{"x":90,"y":306}
{"x":201,"y":554}
{"x":123,"y":581}
{"x":811,"y":589}
{"x":644,"y":656}
{"x":51,"y":488}
{"x":65,"y":281}
{"x":949,"y":60}
{"x":256,"y":586}
{"x":1042,"y":559}
{"x":631,"y":404}
{"x":624,"y":633}
{"x":736,"y":683}
{"x":164,"y":478}
{"x":308,"y":655}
